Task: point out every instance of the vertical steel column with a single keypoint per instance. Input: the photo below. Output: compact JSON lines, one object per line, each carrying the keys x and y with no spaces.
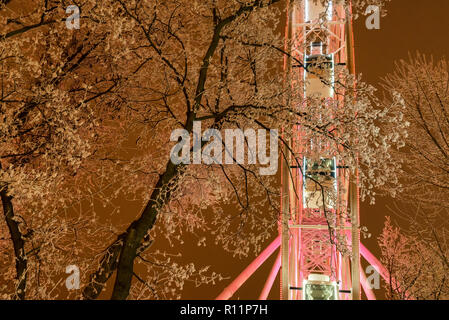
{"x":285,"y":179}
{"x":355,"y":242}
{"x":353,"y":192}
{"x":285,"y":235}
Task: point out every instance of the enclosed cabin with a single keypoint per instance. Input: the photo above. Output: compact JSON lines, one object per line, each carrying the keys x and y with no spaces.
{"x":320,"y":184}
{"x":319,"y":64}
{"x":316,"y":11}
{"x":319,"y":287}
{"x":319,"y":73}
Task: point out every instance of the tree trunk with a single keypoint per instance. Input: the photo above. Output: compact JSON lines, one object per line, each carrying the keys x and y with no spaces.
{"x":18,"y":243}
{"x":139,"y":229}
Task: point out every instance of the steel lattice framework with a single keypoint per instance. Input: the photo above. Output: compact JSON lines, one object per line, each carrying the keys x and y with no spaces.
{"x":319,"y":37}
{"x":309,"y":263}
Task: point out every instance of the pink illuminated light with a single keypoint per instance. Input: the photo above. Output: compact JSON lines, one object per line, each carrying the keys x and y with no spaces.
{"x":229,"y":291}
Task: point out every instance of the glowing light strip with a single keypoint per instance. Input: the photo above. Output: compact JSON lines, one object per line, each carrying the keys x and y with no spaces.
{"x":273,"y":273}
{"x":229,"y":291}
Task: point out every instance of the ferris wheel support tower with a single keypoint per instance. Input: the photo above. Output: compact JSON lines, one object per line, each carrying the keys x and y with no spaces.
{"x":321,"y":36}
{"x":309,"y":263}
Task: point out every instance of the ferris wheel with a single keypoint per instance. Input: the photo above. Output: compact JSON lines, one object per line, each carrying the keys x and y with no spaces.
{"x":309,"y":263}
